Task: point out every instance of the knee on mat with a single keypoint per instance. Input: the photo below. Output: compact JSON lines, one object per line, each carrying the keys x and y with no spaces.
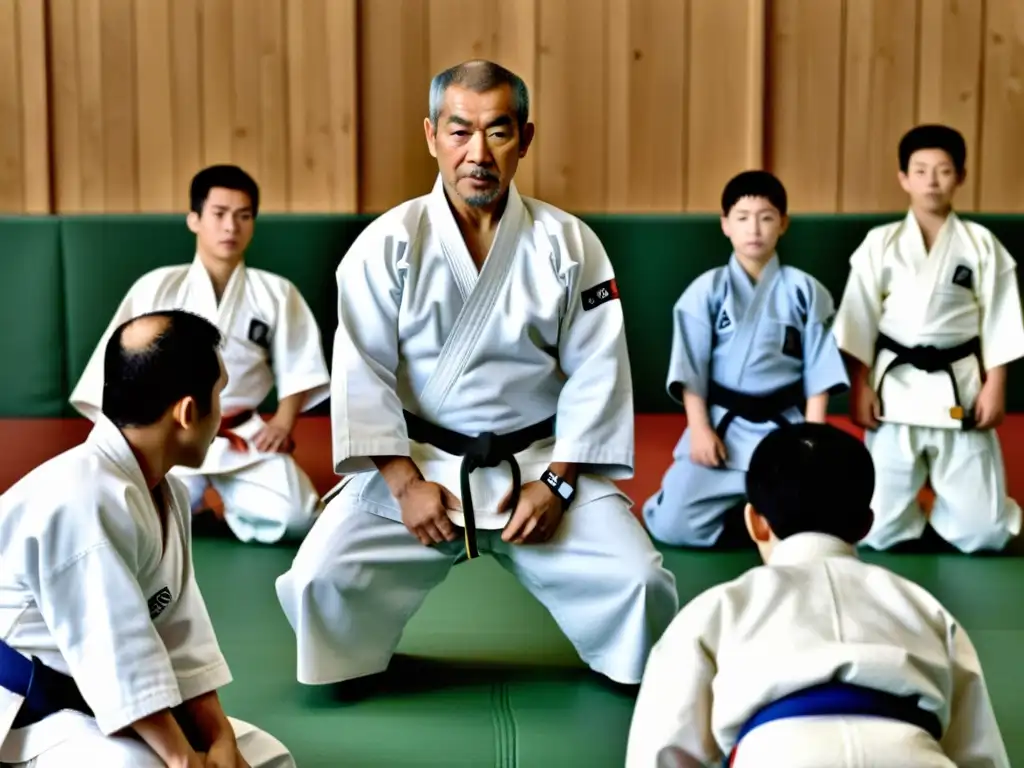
{"x":679,"y":528}
{"x":986,"y":537}
{"x":262,"y":750}
{"x":645,"y":573}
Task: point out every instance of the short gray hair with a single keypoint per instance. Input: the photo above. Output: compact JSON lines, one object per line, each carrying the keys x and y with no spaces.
{"x":479,"y":76}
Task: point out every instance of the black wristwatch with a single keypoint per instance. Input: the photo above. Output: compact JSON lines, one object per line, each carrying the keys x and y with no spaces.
{"x":559,"y":486}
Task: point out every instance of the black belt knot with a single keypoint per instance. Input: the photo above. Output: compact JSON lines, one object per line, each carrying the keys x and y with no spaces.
{"x":484,"y":450}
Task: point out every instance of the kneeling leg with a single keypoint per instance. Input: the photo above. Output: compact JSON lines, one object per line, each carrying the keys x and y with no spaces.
{"x":604,"y":583}
{"x":268,"y":502}
{"x":691,"y":506}
{"x":972,"y":510}
{"x":354,"y":584}
{"x":900,"y":473}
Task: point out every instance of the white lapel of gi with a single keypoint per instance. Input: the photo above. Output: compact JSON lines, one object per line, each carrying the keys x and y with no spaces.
{"x":481,"y":291}
{"x":203,"y":299}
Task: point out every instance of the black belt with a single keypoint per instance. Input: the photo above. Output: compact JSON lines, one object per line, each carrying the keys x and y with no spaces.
{"x":45,"y":690}
{"x":930,"y":360}
{"x":758,"y":409}
{"x":485,"y":450}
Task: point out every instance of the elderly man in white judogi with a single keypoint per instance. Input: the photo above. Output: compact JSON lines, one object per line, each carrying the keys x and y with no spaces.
{"x":480,"y":343}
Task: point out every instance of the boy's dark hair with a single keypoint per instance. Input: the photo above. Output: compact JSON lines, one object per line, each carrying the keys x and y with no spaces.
{"x":140,"y":384}
{"x":225,"y":177}
{"x":812,"y":478}
{"x":934,"y":136}
{"x":754,"y":184}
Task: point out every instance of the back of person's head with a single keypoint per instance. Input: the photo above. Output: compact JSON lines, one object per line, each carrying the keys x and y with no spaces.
{"x":934,"y":136}
{"x":812,"y":478}
{"x":155,"y":360}
{"x":761,"y":184}
{"x":223,"y":177}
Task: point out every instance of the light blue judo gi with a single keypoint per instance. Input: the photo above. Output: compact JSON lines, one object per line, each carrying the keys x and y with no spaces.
{"x":732,"y":335}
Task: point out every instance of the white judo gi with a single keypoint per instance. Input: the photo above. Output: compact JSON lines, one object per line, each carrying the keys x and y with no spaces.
{"x":537,"y":332}
{"x":270,"y":339}
{"x":97,"y":586}
{"x":964,"y":289}
{"x":753,"y":338}
{"x":814,"y":614}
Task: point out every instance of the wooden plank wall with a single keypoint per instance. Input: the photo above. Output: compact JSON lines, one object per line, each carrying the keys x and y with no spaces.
{"x":641,"y":105}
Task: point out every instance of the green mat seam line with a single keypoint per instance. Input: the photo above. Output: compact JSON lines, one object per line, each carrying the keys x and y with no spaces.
{"x":506,"y":737}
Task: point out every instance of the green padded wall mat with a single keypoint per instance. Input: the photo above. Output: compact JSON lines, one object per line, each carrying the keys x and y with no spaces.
{"x":104,"y":255}
{"x":65,"y":275}
{"x":486,"y":678}
{"x":32,"y":317}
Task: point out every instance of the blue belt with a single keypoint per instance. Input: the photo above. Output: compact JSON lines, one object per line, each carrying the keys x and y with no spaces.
{"x":840,"y":699}
{"x":45,"y":690}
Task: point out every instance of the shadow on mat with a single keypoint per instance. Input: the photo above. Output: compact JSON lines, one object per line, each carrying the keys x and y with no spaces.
{"x":412,"y":675}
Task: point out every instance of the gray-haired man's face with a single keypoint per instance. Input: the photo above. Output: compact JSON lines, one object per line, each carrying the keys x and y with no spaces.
{"x":477,"y":143}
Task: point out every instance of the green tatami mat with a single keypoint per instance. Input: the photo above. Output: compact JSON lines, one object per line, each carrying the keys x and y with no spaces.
{"x":486,"y":678}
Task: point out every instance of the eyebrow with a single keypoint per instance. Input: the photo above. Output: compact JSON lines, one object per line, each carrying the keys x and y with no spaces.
{"x":243,"y":209}
{"x":496,"y":122}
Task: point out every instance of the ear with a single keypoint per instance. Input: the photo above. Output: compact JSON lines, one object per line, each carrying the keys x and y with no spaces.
{"x":725,"y":225}
{"x":904,"y":181}
{"x":431,"y":135}
{"x":757,"y":526}
{"x":962,"y":177}
{"x":526,"y":138}
{"x":783,"y":224}
{"x":193,"y":222}
{"x":185,"y":412}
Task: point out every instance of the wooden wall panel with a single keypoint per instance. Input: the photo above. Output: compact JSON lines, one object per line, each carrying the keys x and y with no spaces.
{"x":24,"y":109}
{"x":146,"y":92}
{"x":949,"y":77}
{"x":647,"y":116}
{"x":640,"y":105}
{"x":804,"y":100}
{"x":879,"y":105}
{"x":1002,"y":150}
{"x":726,"y":96}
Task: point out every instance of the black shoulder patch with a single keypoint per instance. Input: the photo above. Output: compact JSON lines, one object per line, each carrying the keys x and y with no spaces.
{"x":963,"y":277}
{"x":792,"y":345}
{"x":158,"y":602}
{"x":259,"y":333}
{"x":599,"y":294}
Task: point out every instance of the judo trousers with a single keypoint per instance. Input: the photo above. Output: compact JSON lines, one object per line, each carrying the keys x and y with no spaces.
{"x":840,"y":742}
{"x":267,"y":502}
{"x":92,"y":748}
{"x":972,"y":510}
{"x":358,"y":579}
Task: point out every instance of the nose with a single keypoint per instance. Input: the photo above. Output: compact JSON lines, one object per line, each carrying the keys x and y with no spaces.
{"x":478,"y":152}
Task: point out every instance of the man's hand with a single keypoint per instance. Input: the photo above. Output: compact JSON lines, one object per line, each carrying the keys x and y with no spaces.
{"x":990,"y":408}
{"x":224,"y":753}
{"x":425,"y":508}
{"x":706,"y":447}
{"x":275,"y":437}
{"x":536,"y":517}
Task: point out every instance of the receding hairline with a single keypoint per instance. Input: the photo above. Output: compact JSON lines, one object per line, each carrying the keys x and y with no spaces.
{"x":480,"y":76}
{"x":140,"y":333}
